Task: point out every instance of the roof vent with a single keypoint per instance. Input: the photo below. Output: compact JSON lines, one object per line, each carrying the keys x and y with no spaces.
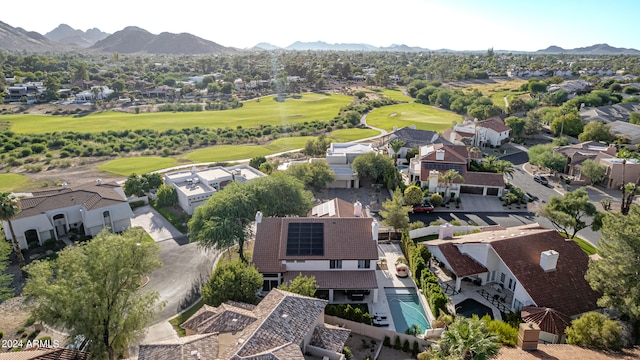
{"x":357,"y":209}
{"x":258,"y":217}
{"x":65,"y":185}
{"x":440,"y":154}
{"x":549,"y":260}
{"x":99,"y":182}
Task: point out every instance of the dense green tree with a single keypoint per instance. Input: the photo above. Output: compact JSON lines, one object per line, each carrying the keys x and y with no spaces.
{"x":152,"y":180}
{"x":615,"y":276}
{"x":236,"y":281}
{"x":634,"y":118}
{"x":395,"y":214}
{"x":257,"y":161}
{"x":375,"y":167}
{"x":569,"y":213}
{"x":267,"y":168}
{"x":567,"y":124}
{"x":516,"y":105}
{"x":317,"y":147}
{"x":5,"y":278}
{"x":167,"y":195}
{"x":316,"y":174}
{"x":595,"y":331}
{"x":413,"y":195}
{"x":52,"y":85}
{"x":536,"y":87}
{"x":9,"y":208}
{"x":464,"y":339}
{"x":543,"y":155}
{"x":436,"y":199}
{"x":516,"y":124}
{"x":93,"y":290}
{"x":225,"y":218}
{"x":596,"y":172}
{"x":596,"y":131}
{"x":134,"y":185}
{"x":302,"y":285}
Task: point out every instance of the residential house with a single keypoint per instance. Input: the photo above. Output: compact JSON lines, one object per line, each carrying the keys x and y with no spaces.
{"x":83,"y":209}
{"x":627,"y":131}
{"x":609,"y":113}
{"x":536,"y":266}
{"x":163,"y":91}
{"x":490,"y":132}
{"x":339,"y":157}
{"x":283,"y":325}
{"x":435,"y":160}
{"x":194,"y":186}
{"x":335,"y":245}
{"x":238,"y":84}
{"x":27,"y":92}
{"x":572,"y":86}
{"x":97,"y":92}
{"x":412,"y":139}
{"x":619,"y":171}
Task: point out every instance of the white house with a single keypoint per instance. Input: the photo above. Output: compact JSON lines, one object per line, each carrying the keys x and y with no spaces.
{"x":339,"y":158}
{"x":491,"y":132}
{"x":412,"y":139}
{"x":102,"y":93}
{"x":84,"y":209}
{"x":341,"y":252}
{"x":238,"y":84}
{"x":195,"y":186}
{"x":537,"y":266}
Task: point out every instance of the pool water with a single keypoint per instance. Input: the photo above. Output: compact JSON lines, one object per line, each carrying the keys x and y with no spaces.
{"x":469,"y":307}
{"x":406,"y":309}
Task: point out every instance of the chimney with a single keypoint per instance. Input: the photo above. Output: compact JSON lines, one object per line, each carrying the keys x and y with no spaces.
{"x":357,"y":209}
{"x":440,"y":155}
{"x":528,"y":335}
{"x":258,"y":217}
{"x":374,"y":230}
{"x":446,"y":231}
{"x":549,"y":260}
{"x":99,"y":182}
{"x":64,"y":185}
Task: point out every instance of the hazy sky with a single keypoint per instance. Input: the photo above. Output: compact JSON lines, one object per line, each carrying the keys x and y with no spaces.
{"x":432,"y":24}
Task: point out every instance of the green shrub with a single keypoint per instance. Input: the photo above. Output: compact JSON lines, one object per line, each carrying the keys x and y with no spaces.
{"x":435,"y":223}
{"x":595,"y":331}
{"x":136,"y":204}
{"x":1,"y":334}
{"x":507,"y":334}
{"x":405,"y":346}
{"x":30,"y":321}
{"x":396,"y":344}
{"x":50,"y":243}
{"x":455,"y":222}
{"x":46,"y":339}
{"x":347,"y":352}
{"x":416,"y":349}
{"x":21,"y":330}
{"x":387,"y":341}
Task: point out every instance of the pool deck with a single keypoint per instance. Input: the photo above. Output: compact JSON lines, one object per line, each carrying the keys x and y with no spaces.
{"x":388,"y":279}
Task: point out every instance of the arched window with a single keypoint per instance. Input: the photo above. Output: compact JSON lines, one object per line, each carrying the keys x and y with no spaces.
{"x":106,"y":216}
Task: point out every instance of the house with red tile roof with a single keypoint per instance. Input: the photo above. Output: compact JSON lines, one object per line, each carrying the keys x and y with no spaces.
{"x":490,"y":132}
{"x":339,"y":251}
{"x":536,"y":266}
{"x":435,"y":160}
{"x":283,"y":326}
{"x":83,"y":209}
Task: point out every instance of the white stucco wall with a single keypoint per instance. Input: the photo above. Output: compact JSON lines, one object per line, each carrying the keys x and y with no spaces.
{"x":323,"y":265}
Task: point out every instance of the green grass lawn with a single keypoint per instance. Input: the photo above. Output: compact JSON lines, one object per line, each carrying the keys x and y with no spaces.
{"x":346,"y":135}
{"x":253,"y":113}
{"x":10,"y":182}
{"x":176,"y":321}
{"x":395,"y":94}
{"x":586,"y":246}
{"x":424,"y":117}
{"x":138,"y":165}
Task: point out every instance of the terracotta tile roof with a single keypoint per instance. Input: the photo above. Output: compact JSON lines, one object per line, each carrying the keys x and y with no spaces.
{"x":330,"y":337}
{"x":483,"y":178}
{"x":547,"y":319}
{"x":206,"y":346}
{"x":495,"y":125}
{"x":461,"y":264}
{"x":452,"y":153}
{"x":563,"y":289}
{"x":284,"y":318}
{"x":564,"y":352}
{"x":46,"y":354}
{"x":220,"y":320}
{"x":344,"y":239}
{"x":339,"y":279}
{"x":91,"y":196}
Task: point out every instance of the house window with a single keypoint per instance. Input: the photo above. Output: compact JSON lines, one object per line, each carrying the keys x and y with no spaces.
{"x":493,"y":276}
{"x":364,"y":264}
{"x":267,"y":285}
{"x":335,"y":264}
{"x":512,"y":284}
{"x":502,"y":277}
{"x":517,"y":305}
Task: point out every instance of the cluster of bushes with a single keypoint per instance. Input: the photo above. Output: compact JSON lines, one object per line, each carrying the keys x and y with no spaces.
{"x":346,"y":311}
{"x":514,"y":195}
{"x":169,"y":107}
{"x":234,"y":103}
{"x":405,"y":346}
{"x":425,"y":279}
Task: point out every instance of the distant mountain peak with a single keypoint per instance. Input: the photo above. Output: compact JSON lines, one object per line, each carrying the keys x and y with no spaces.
{"x":596,"y":49}
{"x":65,"y":34}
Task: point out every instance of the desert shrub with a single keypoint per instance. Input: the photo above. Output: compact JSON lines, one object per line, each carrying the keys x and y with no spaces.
{"x":347,"y":352}
{"x":596,"y":331}
{"x":396,"y":344}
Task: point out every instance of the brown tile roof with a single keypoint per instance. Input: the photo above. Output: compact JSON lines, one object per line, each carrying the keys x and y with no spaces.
{"x":46,"y":354}
{"x":483,"y":178}
{"x":461,"y":265}
{"x":452,"y":153}
{"x":330,"y":337}
{"x":495,"y":125}
{"x":339,"y":279}
{"x":91,"y":196}
{"x":563,"y":289}
{"x":225,"y":318}
{"x":564,"y":352}
{"x":547,"y":319}
{"x":284,"y":318}
{"x":205,"y":346}
{"x":344,"y":239}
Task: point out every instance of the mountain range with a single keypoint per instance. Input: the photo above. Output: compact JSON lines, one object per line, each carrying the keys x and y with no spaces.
{"x":133,"y":39}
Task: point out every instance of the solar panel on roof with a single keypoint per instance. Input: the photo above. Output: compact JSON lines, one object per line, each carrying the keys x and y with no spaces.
{"x":305,"y":239}
{"x":324,"y":209}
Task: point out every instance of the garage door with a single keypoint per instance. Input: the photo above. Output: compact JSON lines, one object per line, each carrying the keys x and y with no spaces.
{"x":492,"y":191}
{"x":472,"y":190}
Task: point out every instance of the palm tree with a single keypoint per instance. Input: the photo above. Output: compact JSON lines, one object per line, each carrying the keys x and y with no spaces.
{"x":505,"y":167}
{"x":448,"y":178}
{"x":396,"y":144}
{"x":9,"y":208}
{"x":467,"y":339}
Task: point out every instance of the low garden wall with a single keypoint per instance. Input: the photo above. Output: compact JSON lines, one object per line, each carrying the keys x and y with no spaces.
{"x":378,"y":333}
{"x":435,"y":230}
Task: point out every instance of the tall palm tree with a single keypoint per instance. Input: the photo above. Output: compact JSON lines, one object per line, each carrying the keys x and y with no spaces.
{"x":396,"y":144}
{"x":505,"y":167}
{"x":9,"y":208}
{"x":448,"y":179}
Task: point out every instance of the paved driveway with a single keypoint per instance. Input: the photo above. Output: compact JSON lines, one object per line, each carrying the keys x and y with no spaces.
{"x":154,"y":224}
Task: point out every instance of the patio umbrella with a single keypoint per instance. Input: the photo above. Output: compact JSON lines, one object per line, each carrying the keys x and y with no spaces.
{"x":548,"y":319}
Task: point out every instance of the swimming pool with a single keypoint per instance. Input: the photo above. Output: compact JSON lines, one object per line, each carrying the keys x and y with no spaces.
{"x":469,"y":307}
{"x":406,"y":309}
